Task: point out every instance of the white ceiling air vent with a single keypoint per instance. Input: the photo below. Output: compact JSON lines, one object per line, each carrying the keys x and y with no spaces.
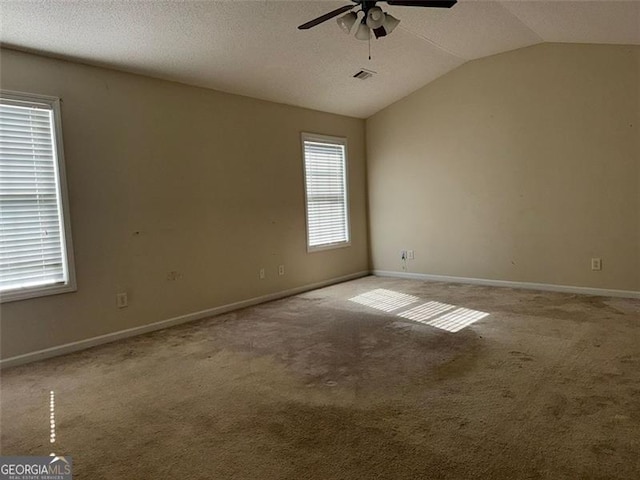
{"x":364,"y":74}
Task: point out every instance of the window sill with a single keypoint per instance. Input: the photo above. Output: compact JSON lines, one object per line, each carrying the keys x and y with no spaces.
{"x":35,"y":292}
{"x":331,"y":246}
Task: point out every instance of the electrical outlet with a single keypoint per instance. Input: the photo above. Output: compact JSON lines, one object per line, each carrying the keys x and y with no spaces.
{"x":281,"y":270}
{"x":403,"y":254}
{"x":410,"y":254}
{"x":596,"y":264}
{"x":121,"y":300}
{"x":261,"y":274}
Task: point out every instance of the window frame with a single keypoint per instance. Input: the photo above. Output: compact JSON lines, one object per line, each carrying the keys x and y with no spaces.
{"x":342,"y":141}
{"x":52,"y":103}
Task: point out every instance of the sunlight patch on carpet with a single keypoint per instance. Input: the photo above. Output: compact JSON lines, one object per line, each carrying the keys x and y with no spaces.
{"x":385,"y":300}
{"x":447,"y":317}
{"x":453,"y":321}
{"x":423,"y":313}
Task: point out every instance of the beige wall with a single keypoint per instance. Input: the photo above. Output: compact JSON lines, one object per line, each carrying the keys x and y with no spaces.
{"x":521,"y":166}
{"x":211,"y":181}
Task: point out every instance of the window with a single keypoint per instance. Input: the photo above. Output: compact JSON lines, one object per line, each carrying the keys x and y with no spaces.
{"x":35,"y":239}
{"x":325,"y":174}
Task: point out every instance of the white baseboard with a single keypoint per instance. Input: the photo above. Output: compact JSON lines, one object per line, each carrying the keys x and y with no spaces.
{"x":211,"y":312}
{"x":602,"y":292}
{"x":131,"y":332}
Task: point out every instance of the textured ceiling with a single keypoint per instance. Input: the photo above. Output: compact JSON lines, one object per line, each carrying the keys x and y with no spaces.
{"x":253,"y":48}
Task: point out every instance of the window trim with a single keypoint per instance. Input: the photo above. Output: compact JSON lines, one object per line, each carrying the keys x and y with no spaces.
{"x":305,"y":136}
{"x":63,"y":203}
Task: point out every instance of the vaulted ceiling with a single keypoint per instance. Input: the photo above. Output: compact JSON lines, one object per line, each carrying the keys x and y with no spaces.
{"x":253,"y":48}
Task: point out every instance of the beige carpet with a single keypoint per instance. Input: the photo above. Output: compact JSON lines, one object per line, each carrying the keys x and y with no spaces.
{"x":317,"y":386}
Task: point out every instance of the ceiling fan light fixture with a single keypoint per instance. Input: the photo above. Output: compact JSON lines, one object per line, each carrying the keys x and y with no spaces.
{"x":363,"y":32}
{"x":390,"y":23}
{"x":347,"y":22}
{"x":375,"y":18}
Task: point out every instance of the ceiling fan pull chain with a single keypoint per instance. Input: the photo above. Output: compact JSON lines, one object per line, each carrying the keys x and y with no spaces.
{"x":369,"y":47}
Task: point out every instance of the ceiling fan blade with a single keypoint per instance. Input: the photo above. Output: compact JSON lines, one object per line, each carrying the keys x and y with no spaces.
{"x":325,"y":17}
{"x":425,"y":3}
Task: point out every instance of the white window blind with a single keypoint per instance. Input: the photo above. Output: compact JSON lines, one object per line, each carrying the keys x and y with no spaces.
{"x":32,"y":230}
{"x":326,"y":191}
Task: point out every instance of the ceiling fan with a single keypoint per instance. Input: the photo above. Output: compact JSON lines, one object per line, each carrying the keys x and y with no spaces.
{"x":374,"y":18}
